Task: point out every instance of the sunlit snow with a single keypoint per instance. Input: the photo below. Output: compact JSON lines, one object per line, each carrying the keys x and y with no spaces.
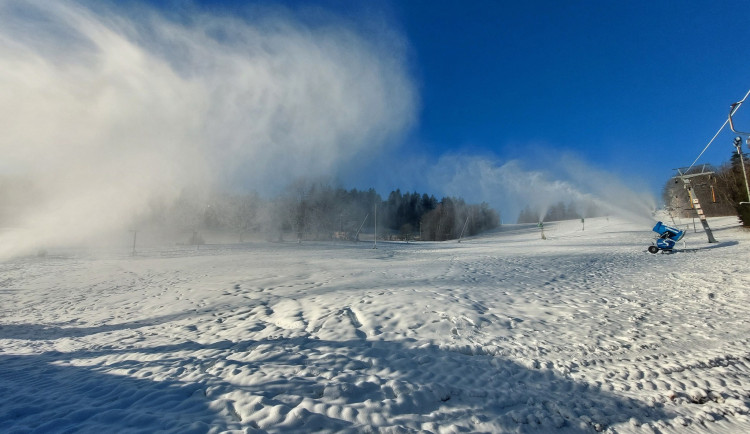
{"x":582,"y":332}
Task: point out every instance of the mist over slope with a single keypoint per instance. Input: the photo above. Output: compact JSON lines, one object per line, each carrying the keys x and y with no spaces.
{"x":112,"y":111}
{"x":109,"y":108}
{"x":512,"y":185}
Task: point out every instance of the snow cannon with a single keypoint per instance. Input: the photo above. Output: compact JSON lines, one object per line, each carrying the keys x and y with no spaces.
{"x":666,"y":239}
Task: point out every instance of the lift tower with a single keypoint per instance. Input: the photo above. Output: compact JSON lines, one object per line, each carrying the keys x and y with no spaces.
{"x":685,"y":174}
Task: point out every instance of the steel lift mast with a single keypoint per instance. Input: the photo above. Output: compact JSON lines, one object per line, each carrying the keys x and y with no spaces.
{"x":738,"y":143}
{"x":686,"y":174}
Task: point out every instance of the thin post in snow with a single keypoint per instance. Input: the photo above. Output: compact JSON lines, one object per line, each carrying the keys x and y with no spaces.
{"x":375,"y":245}
{"x":464,"y":228}
{"x":541,"y":228}
{"x":356,"y":236}
{"x":135,"y":233}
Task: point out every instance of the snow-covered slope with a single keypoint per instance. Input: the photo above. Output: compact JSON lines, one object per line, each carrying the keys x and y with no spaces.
{"x":584,"y":331}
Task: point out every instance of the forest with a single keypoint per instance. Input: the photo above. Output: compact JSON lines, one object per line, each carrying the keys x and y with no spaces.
{"x":309,"y":210}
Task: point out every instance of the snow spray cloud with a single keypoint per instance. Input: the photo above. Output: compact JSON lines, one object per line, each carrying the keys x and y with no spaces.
{"x":509,"y":187}
{"x":106,"y":109}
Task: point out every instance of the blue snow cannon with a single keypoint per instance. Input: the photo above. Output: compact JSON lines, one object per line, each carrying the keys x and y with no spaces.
{"x":667,"y":238}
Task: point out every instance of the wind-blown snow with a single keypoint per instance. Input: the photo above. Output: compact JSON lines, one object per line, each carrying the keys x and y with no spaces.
{"x":509,"y":187}
{"x":581,"y":332}
{"x":110,"y":109}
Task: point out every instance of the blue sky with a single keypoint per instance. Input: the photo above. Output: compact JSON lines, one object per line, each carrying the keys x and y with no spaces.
{"x":621,"y":84}
{"x":636,"y":88}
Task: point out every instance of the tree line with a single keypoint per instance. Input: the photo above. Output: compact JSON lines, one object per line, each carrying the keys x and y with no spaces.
{"x":308,"y":210}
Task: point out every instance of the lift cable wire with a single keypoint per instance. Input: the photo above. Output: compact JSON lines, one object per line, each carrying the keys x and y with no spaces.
{"x":734,"y":110}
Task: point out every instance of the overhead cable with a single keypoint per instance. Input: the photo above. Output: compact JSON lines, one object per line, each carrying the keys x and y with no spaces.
{"x":734,"y":110}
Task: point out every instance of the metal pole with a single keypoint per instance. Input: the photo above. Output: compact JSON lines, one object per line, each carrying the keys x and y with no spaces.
{"x":699,"y":210}
{"x":464,"y":228}
{"x":134,"y":235}
{"x":733,"y":109}
{"x":375,"y":245}
{"x":738,"y":145}
{"x":356,"y":236}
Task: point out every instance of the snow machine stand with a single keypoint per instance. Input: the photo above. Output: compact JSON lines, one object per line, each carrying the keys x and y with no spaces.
{"x":667,"y":238}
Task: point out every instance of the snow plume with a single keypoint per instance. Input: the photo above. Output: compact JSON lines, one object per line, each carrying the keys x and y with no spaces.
{"x":107,"y":109}
{"x":509,"y":187}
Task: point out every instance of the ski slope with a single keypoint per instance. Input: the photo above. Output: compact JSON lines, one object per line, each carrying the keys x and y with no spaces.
{"x":505,"y":332}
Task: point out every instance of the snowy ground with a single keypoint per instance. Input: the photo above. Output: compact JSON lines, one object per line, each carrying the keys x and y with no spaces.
{"x":582,"y":332}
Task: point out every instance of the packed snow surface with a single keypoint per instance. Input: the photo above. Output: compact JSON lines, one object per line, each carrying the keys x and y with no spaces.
{"x":582,"y":332}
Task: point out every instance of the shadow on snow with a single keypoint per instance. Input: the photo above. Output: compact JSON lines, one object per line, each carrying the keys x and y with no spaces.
{"x":408,"y":386}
